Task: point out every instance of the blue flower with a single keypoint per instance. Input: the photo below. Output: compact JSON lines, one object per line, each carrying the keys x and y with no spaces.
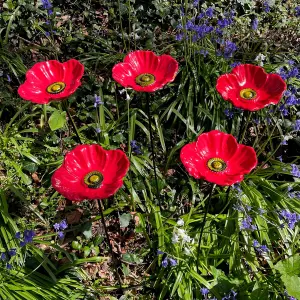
{"x":12,"y":252}
{"x":290,"y":218}
{"x":235,"y":64}
{"x":164,"y":263}
{"x":63,"y":225}
{"x":179,"y":37}
{"x":255,"y":24}
{"x":266,"y":7}
{"x":204,"y":291}
{"x":8,"y":266}
{"x":46,"y":4}
{"x":246,"y":224}
{"x":294,"y":72}
{"x":228,"y":113}
{"x":135,"y":147}
{"x":60,"y":235}
{"x":297,"y":125}
{"x":256,"y":243}
{"x":173,"y":262}
{"x":18,"y":235}
{"x":56,"y":226}
{"x":295,"y":171}
{"x":97,"y":101}
{"x":159,"y":252}
{"x":297,"y":11}
{"x":98,"y":130}
{"x":210,"y":12}
{"x":203,"y":52}
{"x":229,"y":49}
{"x":8,"y":78}
{"x":261,"y":211}
{"x":3,"y":256}
{"x":196,"y":2}
{"x":28,"y":236}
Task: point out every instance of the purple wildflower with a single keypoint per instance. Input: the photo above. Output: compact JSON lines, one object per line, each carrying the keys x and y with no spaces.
{"x":18,"y":235}
{"x":159,"y":252}
{"x":203,"y":52}
{"x":8,"y":78}
{"x":204,"y":291}
{"x":228,"y":113}
{"x":297,"y":125}
{"x":295,"y":171}
{"x":195,"y":3}
{"x":210,"y":12}
{"x":164,"y":263}
{"x":46,"y":4}
{"x":98,"y":130}
{"x":291,"y":100}
{"x":229,"y":49}
{"x":8,"y":266}
{"x":135,"y":147}
{"x":294,"y":72}
{"x":290,"y":218}
{"x":28,"y":236}
{"x":12,"y":252}
{"x":60,"y":235}
{"x":3,"y":256}
{"x":266,"y":7}
{"x":235,"y":64}
{"x":63,"y":225}
{"x":97,"y":101}
{"x":56,"y":226}
{"x":255,"y":24}
{"x":246,"y":224}
{"x":297,"y":11}
{"x":255,"y":244}
{"x":179,"y":37}
{"x":173,"y":262}
{"x":261,"y":211}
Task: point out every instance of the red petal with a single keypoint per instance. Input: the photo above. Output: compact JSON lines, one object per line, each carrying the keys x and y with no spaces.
{"x":33,"y":93}
{"x":217,"y":144}
{"x":193,"y":162}
{"x":227,"y":86}
{"x":222,"y":178}
{"x":166,"y":70}
{"x":243,"y":161}
{"x":142,"y":61}
{"x":124,"y":75}
{"x":250,"y":76}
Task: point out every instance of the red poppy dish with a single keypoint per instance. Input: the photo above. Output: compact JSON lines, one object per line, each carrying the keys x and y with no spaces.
{"x":218,"y":158}
{"x":144,"y":71}
{"x":51,"y":81}
{"x":90,"y":172}
{"x":249,"y":87}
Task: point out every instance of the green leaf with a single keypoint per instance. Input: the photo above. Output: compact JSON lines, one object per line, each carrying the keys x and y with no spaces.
{"x":292,"y":284}
{"x":290,"y":266}
{"x":87,"y":230}
{"x":124,"y":220}
{"x":57,"y":120}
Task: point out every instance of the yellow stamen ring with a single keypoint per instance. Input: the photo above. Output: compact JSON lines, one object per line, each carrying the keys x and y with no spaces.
{"x":216,"y":164}
{"x":145,"y":79}
{"x":56,"y":87}
{"x":248,"y":94}
{"x":93,"y":179}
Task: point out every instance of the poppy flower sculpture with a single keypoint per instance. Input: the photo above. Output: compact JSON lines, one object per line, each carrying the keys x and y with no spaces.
{"x":90,"y":172}
{"x":144,"y":71}
{"x":249,"y":87}
{"x":218,"y":158}
{"x":51,"y":81}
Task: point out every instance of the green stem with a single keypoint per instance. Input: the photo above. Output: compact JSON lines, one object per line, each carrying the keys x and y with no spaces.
{"x":246,"y":126}
{"x":152,"y":146}
{"x":45,"y":112}
{"x":110,"y":246}
{"x":65,"y":106}
{"x":202,"y":227}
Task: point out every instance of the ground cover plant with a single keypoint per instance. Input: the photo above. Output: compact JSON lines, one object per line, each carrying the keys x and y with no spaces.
{"x":149,"y":150}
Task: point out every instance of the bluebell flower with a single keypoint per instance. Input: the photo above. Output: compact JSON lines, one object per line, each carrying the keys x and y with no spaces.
{"x":229,"y":49}
{"x":219,"y":31}
{"x":210,"y":12}
{"x":3,"y":256}
{"x":235,"y":64}
{"x":264,"y":248}
{"x":46,"y":4}
{"x":47,"y":33}
{"x":204,"y":291}
{"x":173,"y":262}
{"x":238,"y":207}
{"x":135,"y":147}
{"x":98,"y":130}
{"x":295,"y":171}
{"x":284,"y":110}
{"x":256,"y":121}
{"x":256,"y":243}
{"x":297,"y":125}
{"x":294,"y":72}
{"x":8,"y":266}
{"x":228,"y":113}
{"x":297,"y":11}
{"x":203,"y":52}
{"x":255,"y":24}
{"x":60,"y":235}
{"x":8,"y":78}
{"x":266,"y":7}
{"x":248,"y":207}
{"x":291,"y":100}
{"x":18,"y":235}
{"x":246,"y":224}
{"x":291,"y":62}
{"x":195,"y":3}
{"x":164,"y":263}
{"x":190,"y":25}
{"x":56,"y":226}
{"x":237,"y":187}
{"x":97,"y":101}
{"x":159,"y":252}
{"x":261,"y":211}
{"x":12,"y":252}
{"x":284,"y":142}
{"x":28,"y":236}
{"x":22,"y":244}
{"x":179,"y":37}
{"x":290,"y":218}
{"x":201,"y":16}
{"x":63,"y":225}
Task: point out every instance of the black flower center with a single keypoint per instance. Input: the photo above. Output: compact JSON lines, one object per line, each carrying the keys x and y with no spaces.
{"x":56,"y":87}
{"x":216,"y":164}
{"x":248,"y":94}
{"x":145,"y":79}
{"x":93,"y":179}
